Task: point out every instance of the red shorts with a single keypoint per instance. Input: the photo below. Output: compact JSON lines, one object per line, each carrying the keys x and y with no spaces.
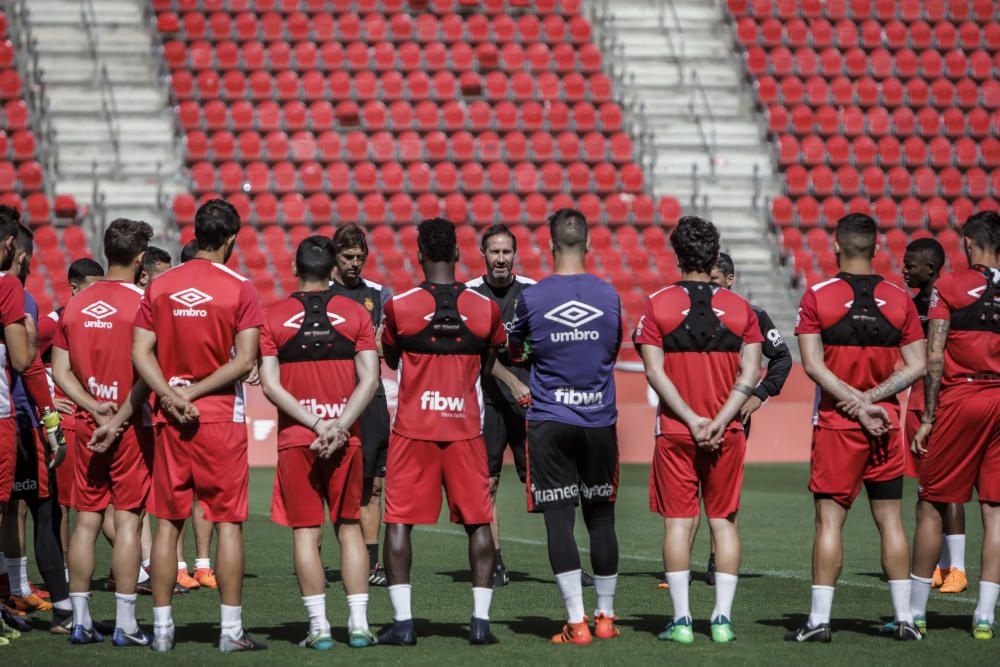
{"x":120,"y":476}
{"x":964,"y":449}
{"x":8,"y":457}
{"x":204,"y":460}
{"x":303,"y":483}
{"x":681,"y":471}
{"x":65,"y":472}
{"x":417,"y":469}
{"x":843,"y":459}
{"x":911,"y":464}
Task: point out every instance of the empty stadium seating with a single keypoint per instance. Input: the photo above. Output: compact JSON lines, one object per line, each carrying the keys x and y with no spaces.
{"x":309,"y":113}
{"x":22,"y":185}
{"x":890,"y":107}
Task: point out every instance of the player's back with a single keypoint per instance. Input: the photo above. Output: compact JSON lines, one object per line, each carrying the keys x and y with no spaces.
{"x":701,"y":347}
{"x":969,"y":300}
{"x":863,"y":322}
{"x":96,"y":329}
{"x":442,"y":331}
{"x":572,"y":327}
{"x":196,"y":309}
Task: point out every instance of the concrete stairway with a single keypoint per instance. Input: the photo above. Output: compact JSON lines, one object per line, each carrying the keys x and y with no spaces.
{"x":108,"y":105}
{"x":711,"y":150}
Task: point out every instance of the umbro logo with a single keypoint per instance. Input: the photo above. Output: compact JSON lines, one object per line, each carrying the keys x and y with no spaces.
{"x":98,"y":311}
{"x":718,"y":312}
{"x":430,"y":316}
{"x":573,"y":314}
{"x":878,"y":302}
{"x":295,"y":322}
{"x":190,"y":297}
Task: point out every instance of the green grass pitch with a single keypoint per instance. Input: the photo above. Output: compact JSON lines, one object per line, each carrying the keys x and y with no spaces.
{"x":777,"y":524}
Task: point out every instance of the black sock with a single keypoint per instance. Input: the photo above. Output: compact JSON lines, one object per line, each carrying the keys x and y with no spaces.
{"x":372,"y":555}
{"x":499,"y":558}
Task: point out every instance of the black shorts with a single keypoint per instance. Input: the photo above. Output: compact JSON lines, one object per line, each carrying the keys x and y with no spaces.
{"x":504,"y":426}
{"x":566,"y":462}
{"x":375,"y":437}
{"x":31,"y":475}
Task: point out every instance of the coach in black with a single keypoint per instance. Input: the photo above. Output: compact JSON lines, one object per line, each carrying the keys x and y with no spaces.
{"x":505,"y":391}
{"x":351,"y":247}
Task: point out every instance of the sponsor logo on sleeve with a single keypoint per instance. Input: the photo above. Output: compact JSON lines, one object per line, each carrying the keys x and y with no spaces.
{"x":98,"y":312}
{"x":774,"y":336}
{"x":190,"y":299}
{"x":573,"y":314}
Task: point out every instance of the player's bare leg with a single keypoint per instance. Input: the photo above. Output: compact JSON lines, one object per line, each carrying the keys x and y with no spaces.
{"x":495,"y":524}
{"x":164,"y":577}
{"x":950,"y":576}
{"x":145,"y":549}
{"x":108,"y":527}
{"x":125,"y":564}
{"x":895,"y":555}
{"x":927,"y":540}
{"x":371,"y":523}
{"x":482,"y":562}
{"x":354,"y":570}
{"x":984,"y":619}
{"x":827,"y":559}
{"x":677,"y":563}
{"x":81,"y":572}
{"x":312,"y":584}
{"x":728,"y":551}
{"x":398,"y":557}
{"x":203,"y":572}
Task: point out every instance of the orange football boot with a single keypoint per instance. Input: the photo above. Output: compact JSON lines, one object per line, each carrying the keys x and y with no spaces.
{"x":955,"y":581}
{"x":206,"y":577}
{"x":604,"y":627}
{"x":39,"y":592}
{"x":29,"y":602}
{"x":186,"y":580}
{"x":574,"y":633}
{"x":937,"y":579}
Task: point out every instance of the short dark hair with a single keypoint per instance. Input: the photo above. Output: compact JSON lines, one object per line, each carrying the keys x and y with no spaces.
{"x":315,"y":258}
{"x":125,"y":239}
{"x":215,"y":221}
{"x":568,"y":229}
{"x":983,"y":228}
{"x":857,"y":234}
{"x":436,"y":240}
{"x":10,"y":218}
{"x":154,"y":256}
{"x":82,"y":269}
{"x":932,"y":248}
{"x":498,"y":229}
{"x":350,"y":235}
{"x":189,"y":250}
{"x":25,"y":241}
{"x":696,"y":243}
{"x":725,"y":264}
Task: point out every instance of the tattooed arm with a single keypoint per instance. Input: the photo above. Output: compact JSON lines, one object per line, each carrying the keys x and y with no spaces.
{"x":914,"y":367}
{"x":937,"y":337}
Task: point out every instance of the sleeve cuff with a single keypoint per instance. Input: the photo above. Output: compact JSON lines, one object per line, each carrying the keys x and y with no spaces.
{"x":761,"y":393}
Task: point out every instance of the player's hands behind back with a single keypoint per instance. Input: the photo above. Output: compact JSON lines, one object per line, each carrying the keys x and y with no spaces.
{"x":919,"y":444}
{"x":330,"y":437}
{"x":179,"y":406}
{"x":750,"y":406}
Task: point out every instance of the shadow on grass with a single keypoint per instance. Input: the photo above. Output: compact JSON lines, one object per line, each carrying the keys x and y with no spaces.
{"x":292,"y":632}
{"x":537,"y":626}
{"x":516,"y":576}
{"x":652,"y":624}
{"x":869,"y":627}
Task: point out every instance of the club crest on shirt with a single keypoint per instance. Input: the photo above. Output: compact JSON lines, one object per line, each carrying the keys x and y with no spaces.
{"x":369,"y":303}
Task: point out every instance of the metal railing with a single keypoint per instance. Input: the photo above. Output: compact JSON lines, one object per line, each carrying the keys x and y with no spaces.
{"x":677,"y":53}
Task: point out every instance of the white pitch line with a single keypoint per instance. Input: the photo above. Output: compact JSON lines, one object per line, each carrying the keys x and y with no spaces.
{"x":784,"y":574}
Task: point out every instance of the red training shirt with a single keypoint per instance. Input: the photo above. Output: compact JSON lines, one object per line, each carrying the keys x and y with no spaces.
{"x":96,"y":329}
{"x":703,"y":379}
{"x":440,"y":397}
{"x":196,"y":309}
{"x":862,"y":367}
{"x":321,"y":387}
{"x":11,"y":312}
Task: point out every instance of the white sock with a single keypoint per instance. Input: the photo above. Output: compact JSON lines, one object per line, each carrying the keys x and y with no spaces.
{"x":725,"y":593}
{"x":482,"y":598}
{"x":920,"y":590}
{"x":146,"y":564}
{"x":955,"y":546}
{"x":988,"y":593}
{"x":143,"y":576}
{"x":125,"y":612}
{"x":822,"y":603}
{"x":67,"y":574}
{"x":181,"y":565}
{"x":232,"y":621}
{"x":63,"y":605}
{"x":316,"y":608}
{"x":203,"y":563}
{"x":17,"y":573}
{"x":163,"y":622}
{"x":680,"y":583}
{"x":899,"y":589}
{"x":571,"y":587}
{"x":358,"y":606}
{"x":605,"y":587}
{"x":400,"y":597}
{"x":81,"y":609}
{"x":944,"y":560}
